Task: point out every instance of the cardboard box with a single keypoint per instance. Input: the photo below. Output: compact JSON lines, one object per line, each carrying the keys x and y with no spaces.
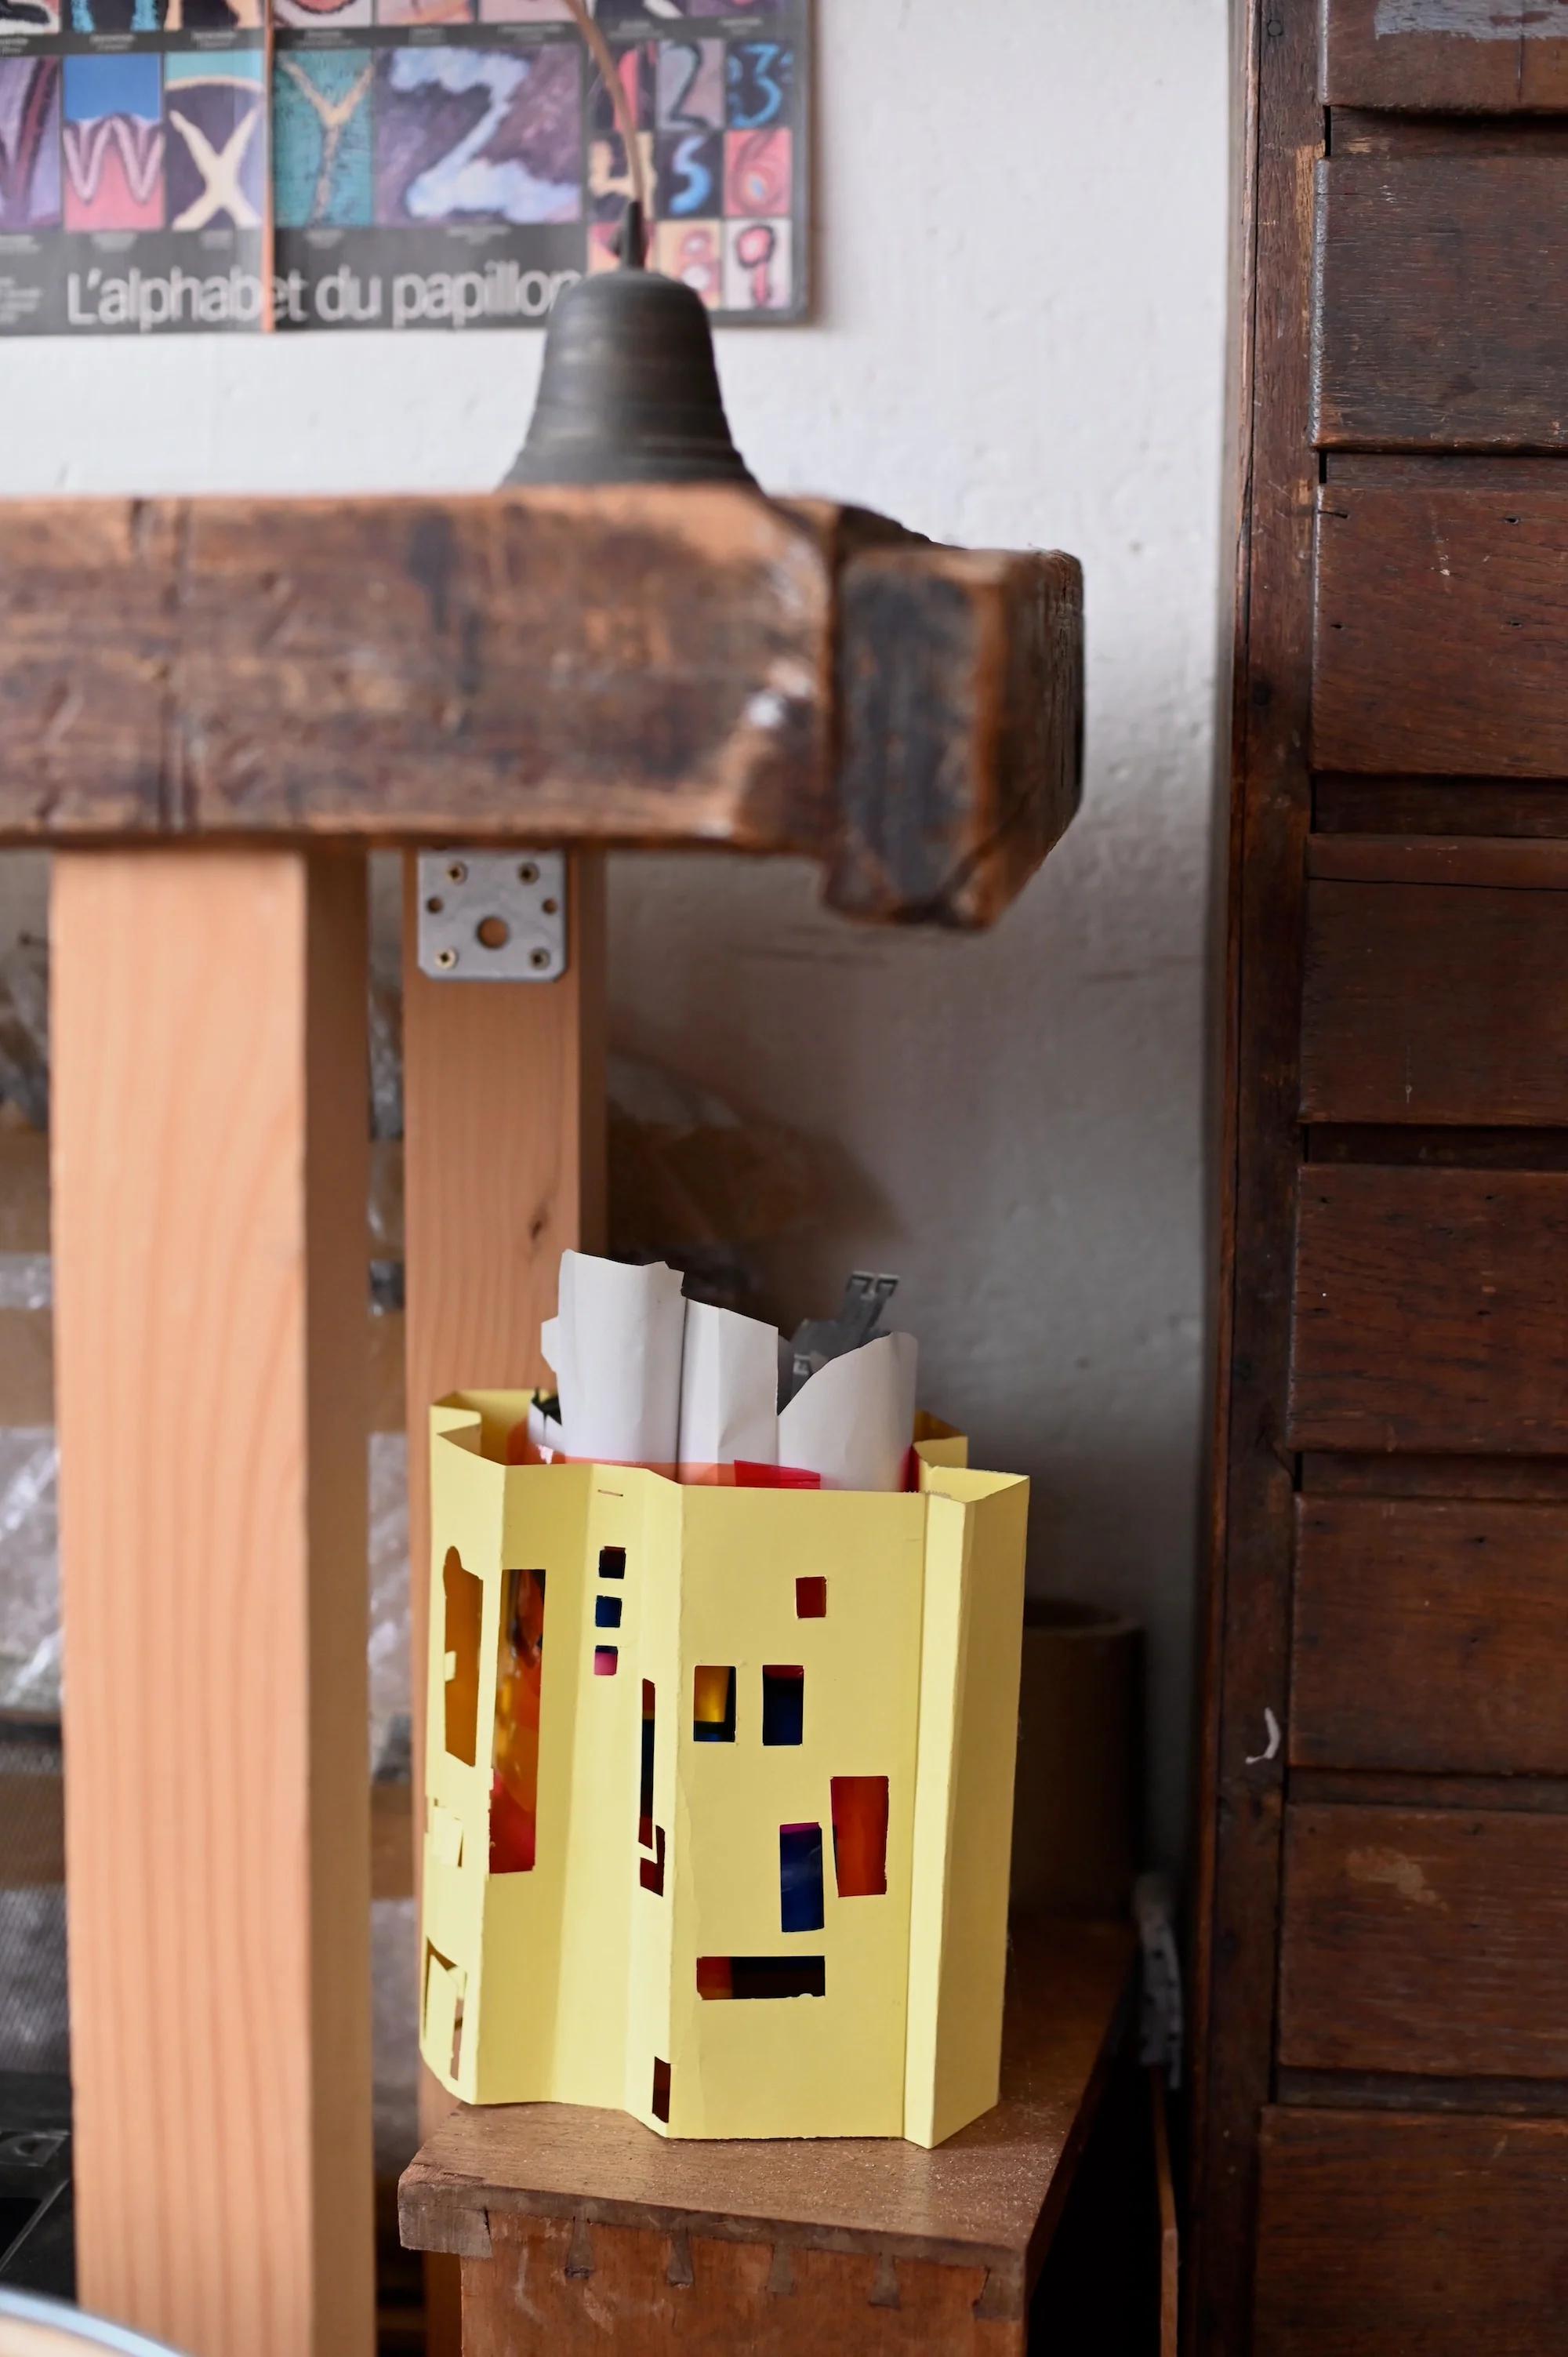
{"x":755,"y":1796}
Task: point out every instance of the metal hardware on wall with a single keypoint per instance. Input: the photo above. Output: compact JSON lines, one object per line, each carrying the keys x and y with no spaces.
{"x":492,"y":916}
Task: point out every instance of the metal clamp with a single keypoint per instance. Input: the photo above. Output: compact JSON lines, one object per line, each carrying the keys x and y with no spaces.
{"x":492,"y":916}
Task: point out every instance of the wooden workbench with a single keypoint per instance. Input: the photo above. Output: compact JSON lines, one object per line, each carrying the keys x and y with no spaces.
{"x":580,"y":2229}
{"x":210,"y":712}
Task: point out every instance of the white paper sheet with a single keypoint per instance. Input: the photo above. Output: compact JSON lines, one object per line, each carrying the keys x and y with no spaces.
{"x":729,"y":1391}
{"x":618,"y":1344}
{"x":852,"y":1423}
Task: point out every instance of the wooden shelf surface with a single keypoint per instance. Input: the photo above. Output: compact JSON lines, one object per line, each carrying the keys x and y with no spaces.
{"x":989,"y":2198}
{"x":671,"y":668}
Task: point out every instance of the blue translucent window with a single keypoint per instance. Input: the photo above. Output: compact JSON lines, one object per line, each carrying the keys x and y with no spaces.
{"x":800,"y":1877}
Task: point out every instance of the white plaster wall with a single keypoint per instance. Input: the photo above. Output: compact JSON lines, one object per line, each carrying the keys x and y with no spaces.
{"x":1020,"y":341}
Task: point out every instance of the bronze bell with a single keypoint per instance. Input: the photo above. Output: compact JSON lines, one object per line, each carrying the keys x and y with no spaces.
{"x":630,"y":390}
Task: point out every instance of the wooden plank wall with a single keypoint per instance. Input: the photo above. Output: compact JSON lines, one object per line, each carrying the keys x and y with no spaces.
{"x":1382,"y":1989}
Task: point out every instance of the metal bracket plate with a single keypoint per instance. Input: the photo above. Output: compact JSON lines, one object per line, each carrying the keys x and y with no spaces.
{"x":492,"y":916}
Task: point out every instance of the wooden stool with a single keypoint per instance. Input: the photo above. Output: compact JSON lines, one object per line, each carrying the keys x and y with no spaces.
{"x":581,"y":2230}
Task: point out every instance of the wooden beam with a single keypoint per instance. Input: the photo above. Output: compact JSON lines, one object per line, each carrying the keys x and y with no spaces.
{"x":503,"y":1170}
{"x":210,"y":1176}
{"x":648,"y":667}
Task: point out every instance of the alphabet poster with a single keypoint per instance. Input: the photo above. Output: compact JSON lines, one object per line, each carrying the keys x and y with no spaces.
{"x":179,"y":165}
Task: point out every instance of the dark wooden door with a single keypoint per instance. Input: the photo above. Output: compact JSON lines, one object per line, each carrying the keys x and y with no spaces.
{"x":1381,"y":2003}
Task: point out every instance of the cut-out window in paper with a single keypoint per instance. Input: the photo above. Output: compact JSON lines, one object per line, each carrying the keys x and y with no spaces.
{"x":612,"y":1562}
{"x":465,"y":1606}
{"x":607,"y":1611}
{"x":800,"y":1878}
{"x":659,"y":2107}
{"x":649,"y":1739}
{"x":606,"y":1661}
{"x":520,"y":1670}
{"x":444,"y":1828}
{"x":811,"y":1599}
{"x":444,"y":1985}
{"x":651,"y":1870}
{"x":761,"y":1976}
{"x":783,"y":1706}
{"x":860,"y":1835}
{"x":712,"y":1707}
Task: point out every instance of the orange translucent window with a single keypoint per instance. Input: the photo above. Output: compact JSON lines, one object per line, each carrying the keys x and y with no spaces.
{"x":713,"y":1706}
{"x":519,"y":1669}
{"x":464,"y":1598}
{"x":860,"y":1835}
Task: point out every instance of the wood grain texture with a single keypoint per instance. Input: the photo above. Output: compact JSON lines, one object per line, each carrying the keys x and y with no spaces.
{"x":649,"y":666}
{"x":504,"y":1169}
{"x":1246,"y":1669}
{"x":1442,"y":633}
{"x":1440,"y":1003}
{"x":1428,"y":1318}
{"x":1529,"y":1481}
{"x":1403,"y":807}
{"x":1397,"y":1789}
{"x":987,"y":2201}
{"x":1431,"y":1311}
{"x":1438,"y":1147}
{"x":1439,"y":2234}
{"x":1498,"y":57}
{"x":32,"y":1809}
{"x":210,"y":1174}
{"x":1477,"y":862}
{"x":556,"y":2284}
{"x":1431,"y":1636}
{"x":1440,"y":319}
{"x":1361,"y":131}
{"x":939,"y":650}
{"x":1170,"y":2228}
{"x":1424,"y":1940}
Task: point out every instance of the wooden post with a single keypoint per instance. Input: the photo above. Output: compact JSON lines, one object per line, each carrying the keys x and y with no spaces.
{"x":210,"y":1132}
{"x":503,"y":1170}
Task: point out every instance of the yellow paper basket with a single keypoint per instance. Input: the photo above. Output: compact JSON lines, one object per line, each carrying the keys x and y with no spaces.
{"x":742,"y":1760}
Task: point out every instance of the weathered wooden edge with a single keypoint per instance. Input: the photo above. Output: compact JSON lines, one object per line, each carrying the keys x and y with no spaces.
{"x":961,"y":708}
{"x":434,"y":2216}
{"x":1252,"y":1492}
{"x":1458,"y":863}
{"x":928,"y":752}
{"x":446,"y":2208}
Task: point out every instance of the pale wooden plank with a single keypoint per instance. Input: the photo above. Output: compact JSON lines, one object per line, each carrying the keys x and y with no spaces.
{"x":210,"y":1174}
{"x":503,"y":1170}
